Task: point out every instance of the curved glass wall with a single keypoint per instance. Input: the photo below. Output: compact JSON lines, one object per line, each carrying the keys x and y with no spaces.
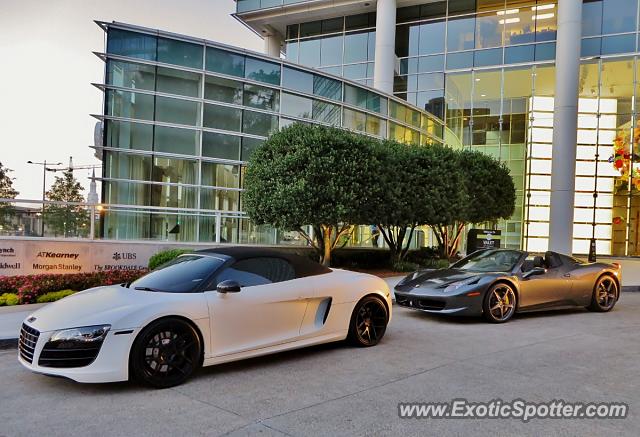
{"x":182,"y":116}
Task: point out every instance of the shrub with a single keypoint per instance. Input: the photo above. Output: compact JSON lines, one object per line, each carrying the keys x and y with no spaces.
{"x":8,"y":299}
{"x":29,"y":287}
{"x":405,"y":266}
{"x":54,"y":295}
{"x":164,"y":257}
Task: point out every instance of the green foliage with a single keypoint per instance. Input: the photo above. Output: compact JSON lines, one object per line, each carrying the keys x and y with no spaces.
{"x":164,"y":257}
{"x":312,"y":175}
{"x":54,"y":295}
{"x":9,"y":299}
{"x":6,"y":192}
{"x":404,"y":266}
{"x":71,"y":220}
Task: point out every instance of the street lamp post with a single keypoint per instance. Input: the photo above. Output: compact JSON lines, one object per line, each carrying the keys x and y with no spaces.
{"x":44,"y":183}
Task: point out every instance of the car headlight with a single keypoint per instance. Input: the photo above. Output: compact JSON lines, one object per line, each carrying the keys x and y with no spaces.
{"x":456,"y":285}
{"x":82,"y":336}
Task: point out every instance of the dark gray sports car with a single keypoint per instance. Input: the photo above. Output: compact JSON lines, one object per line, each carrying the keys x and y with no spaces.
{"x":497,"y":283}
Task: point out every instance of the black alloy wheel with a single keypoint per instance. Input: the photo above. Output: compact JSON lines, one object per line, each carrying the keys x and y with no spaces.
{"x":368,"y":322}
{"x":166,"y":353}
{"x":499,"y":303}
{"x":605,"y":294}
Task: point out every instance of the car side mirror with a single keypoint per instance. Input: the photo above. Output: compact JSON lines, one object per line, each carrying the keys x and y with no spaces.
{"x":534,"y":271}
{"x":228,"y":286}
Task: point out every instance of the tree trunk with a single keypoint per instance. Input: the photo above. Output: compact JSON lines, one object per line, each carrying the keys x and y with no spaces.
{"x":326,"y":238}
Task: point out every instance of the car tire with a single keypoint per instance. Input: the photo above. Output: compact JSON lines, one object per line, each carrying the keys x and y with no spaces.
{"x":605,"y":294}
{"x":166,"y":353}
{"x":368,"y":322}
{"x":499,"y":303}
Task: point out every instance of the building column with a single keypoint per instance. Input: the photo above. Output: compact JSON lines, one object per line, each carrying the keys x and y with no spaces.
{"x":385,"y":61}
{"x":565,"y":126}
{"x":273,"y":44}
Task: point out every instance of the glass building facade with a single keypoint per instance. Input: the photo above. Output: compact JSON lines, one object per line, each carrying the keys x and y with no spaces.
{"x":182,"y":116}
{"x":486,"y":67}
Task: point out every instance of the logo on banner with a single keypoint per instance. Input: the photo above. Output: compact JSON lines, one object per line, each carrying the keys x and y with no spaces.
{"x":7,"y":251}
{"x":117,"y":256}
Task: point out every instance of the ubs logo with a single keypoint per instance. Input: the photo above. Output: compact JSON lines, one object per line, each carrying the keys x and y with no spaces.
{"x":117,"y":256}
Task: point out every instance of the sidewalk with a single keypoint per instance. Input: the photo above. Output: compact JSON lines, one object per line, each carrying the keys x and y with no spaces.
{"x":11,"y":319}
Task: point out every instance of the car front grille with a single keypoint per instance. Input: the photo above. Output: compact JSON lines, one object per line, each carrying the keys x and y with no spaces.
{"x":420,"y":303}
{"x":27,"y":342}
{"x":52,"y":355}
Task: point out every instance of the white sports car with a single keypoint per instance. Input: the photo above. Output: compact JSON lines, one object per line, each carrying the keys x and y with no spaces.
{"x":204,"y":308}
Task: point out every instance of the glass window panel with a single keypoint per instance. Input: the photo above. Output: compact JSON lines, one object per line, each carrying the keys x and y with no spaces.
{"x":262,"y":71}
{"x":128,"y":135}
{"x":355,"y":47}
{"x":460,"y":33}
{"x":489,"y":30}
{"x":261,"y":97}
{"x":462,"y":6}
{"x":311,"y":28}
{"x":175,"y":171}
{"x":376,"y":126}
{"x":326,"y":112}
{"x":519,"y":24}
{"x":129,"y":105}
{"x":222,"y":117}
{"x":223,"y":90}
{"x":221,"y":200}
{"x":177,"y":111}
{"x":222,"y":61}
{"x":590,"y":47}
{"x":326,"y":87}
{"x":131,"y":44}
{"x":127,"y":193}
{"x":371,"y":47}
{"x":354,"y":120}
{"x":331,"y":50}
{"x":355,"y":71}
{"x":336,"y":71}
{"x":355,"y":96}
{"x":619,"y":16}
{"x":127,"y":166}
{"x":171,"y":51}
{"x":249,"y":145}
{"x":184,"y":83}
{"x":292,"y":31}
{"x":310,"y":52}
{"x":257,"y":123}
{"x":297,"y":80}
{"x":432,"y":38}
{"x":333,"y":25}
{"x":291,"y":51}
{"x":515,"y":55}
{"x":130,"y":75}
{"x":220,"y":175}
{"x":484,"y":58}
{"x":618,"y":44}
{"x":296,"y":106}
{"x":546,"y":20}
{"x":433,"y":10}
{"x":172,"y":196}
{"x":431,"y":101}
{"x":459,"y":60}
{"x":408,"y":13}
{"x":360,"y":21}
{"x":221,"y":146}
{"x":591,"y":17}
{"x":427,"y":64}
{"x":430,"y":81}
{"x":407,"y":40}
{"x":175,"y":140}
{"x":546,"y":52}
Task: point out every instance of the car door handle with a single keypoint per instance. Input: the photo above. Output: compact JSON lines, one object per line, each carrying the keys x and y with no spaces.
{"x":567,"y":275}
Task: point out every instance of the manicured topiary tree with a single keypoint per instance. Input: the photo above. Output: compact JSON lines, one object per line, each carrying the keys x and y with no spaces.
{"x":312,"y":175}
{"x":491,"y":196}
{"x":418,"y":186}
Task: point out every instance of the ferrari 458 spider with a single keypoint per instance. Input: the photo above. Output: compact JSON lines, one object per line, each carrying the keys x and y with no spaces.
{"x":497,"y":283}
{"x":204,"y":308}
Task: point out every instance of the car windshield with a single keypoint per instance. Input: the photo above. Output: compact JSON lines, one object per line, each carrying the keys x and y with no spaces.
{"x":181,"y":275}
{"x":489,"y":261}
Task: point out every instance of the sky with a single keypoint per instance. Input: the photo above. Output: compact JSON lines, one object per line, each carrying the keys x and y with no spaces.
{"x":47,"y":66}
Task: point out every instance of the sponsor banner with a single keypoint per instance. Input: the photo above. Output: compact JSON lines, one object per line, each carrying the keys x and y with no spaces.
{"x":33,"y":256}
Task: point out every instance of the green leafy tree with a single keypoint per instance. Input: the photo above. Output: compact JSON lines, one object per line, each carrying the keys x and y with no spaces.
{"x":67,"y":220}
{"x":419,"y":186}
{"x":312,"y":175}
{"x":6,"y":192}
{"x":491,"y":197}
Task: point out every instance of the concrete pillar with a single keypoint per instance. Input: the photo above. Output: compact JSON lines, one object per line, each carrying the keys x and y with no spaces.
{"x":565,"y":125}
{"x":385,"y":61}
{"x":273,"y":44}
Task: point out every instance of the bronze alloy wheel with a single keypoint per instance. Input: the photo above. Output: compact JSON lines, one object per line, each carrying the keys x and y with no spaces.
{"x":605,"y":294}
{"x":500,"y":303}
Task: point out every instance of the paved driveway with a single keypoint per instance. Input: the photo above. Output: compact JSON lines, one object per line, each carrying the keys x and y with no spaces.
{"x":338,"y":390}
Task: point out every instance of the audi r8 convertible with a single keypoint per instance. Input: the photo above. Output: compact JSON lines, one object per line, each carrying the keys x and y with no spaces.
{"x":203,"y":308}
{"x":497,"y":283}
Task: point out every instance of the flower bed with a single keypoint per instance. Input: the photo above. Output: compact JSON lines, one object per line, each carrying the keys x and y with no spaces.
{"x":29,"y":287}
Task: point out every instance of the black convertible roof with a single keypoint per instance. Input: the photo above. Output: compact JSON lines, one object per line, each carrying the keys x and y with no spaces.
{"x":301,"y":264}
